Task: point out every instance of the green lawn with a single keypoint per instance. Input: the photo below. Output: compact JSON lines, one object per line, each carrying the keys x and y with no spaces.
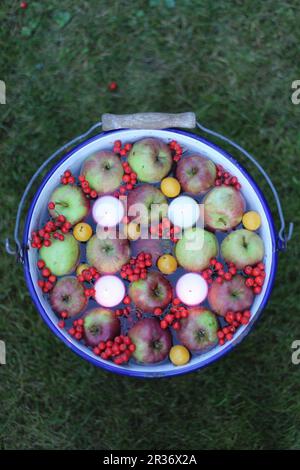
{"x":232,"y":62}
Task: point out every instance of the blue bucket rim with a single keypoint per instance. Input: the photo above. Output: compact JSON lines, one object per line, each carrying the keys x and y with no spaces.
{"x":110,"y":366}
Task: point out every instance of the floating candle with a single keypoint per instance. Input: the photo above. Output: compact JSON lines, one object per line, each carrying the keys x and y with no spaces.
{"x":108,"y":211}
{"x":192,"y":289}
{"x":109,"y":291}
{"x":184,"y":212}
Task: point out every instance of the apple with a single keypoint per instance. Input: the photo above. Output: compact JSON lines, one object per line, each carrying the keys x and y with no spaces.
{"x":103,"y":170}
{"x":107,"y":255}
{"x":198,"y":331}
{"x":150,"y":159}
{"x":100,"y":324}
{"x":196,"y":174}
{"x":70,"y":202}
{"x":232,"y":295}
{"x":242,"y":247}
{"x":140,"y":201}
{"x":68,"y":295}
{"x":156,"y":247}
{"x":151,"y":341}
{"x":61,"y":257}
{"x":195,"y":249}
{"x":153,"y":292}
{"x":224,"y":207}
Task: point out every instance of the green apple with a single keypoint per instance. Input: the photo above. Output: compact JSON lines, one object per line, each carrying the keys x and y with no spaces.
{"x":242,"y":247}
{"x":195,"y":249}
{"x":198,"y":331}
{"x":107,"y":255}
{"x":61,"y":257}
{"x":70,"y":202}
{"x":150,"y":159}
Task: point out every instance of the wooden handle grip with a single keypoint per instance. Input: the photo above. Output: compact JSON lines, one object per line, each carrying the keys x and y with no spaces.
{"x":148,"y":121}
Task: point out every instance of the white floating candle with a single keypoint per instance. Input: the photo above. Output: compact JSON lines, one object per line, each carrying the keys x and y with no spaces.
{"x":184,"y":212}
{"x":191,"y":289}
{"x":109,"y":291}
{"x":108,"y":211}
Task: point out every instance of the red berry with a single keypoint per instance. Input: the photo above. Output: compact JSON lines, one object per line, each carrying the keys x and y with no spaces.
{"x":220,"y":334}
{"x":112,"y":86}
{"x":229,"y":317}
{"x":23,"y":5}
{"x":247,"y":314}
{"x":257,"y":290}
{"x":228,"y":276}
{"x":41,"y":264}
{"x":41,"y":283}
{"x":46,"y":272}
{"x":229,"y":336}
{"x":157,"y":311}
{"x":127,"y":300}
{"x":61,"y":324}
{"x":259,"y":280}
{"x":52,"y":278}
{"x":249,"y":282}
{"x":238,"y":316}
{"x":164,"y":324}
{"x":255,"y":272}
{"x":248,"y":270}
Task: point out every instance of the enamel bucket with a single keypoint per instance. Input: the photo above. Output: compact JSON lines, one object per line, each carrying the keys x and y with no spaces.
{"x":73,"y":160}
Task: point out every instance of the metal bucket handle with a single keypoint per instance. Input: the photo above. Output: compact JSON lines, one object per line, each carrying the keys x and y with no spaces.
{"x":148,"y":121}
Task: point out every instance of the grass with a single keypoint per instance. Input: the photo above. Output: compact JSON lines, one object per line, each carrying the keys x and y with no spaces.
{"x":233,"y":64}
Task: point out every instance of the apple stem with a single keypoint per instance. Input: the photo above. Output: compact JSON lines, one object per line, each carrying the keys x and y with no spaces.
{"x":61,"y":203}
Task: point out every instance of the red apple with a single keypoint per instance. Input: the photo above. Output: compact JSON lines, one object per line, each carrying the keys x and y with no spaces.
{"x":100,"y":324}
{"x":68,"y":295}
{"x":144,"y":198}
{"x":107,"y":255}
{"x":224,"y":207}
{"x":155,"y":247}
{"x":232,"y":295}
{"x":196,"y":174}
{"x":151,"y":341}
{"x":153,"y":292}
{"x":103,"y":170}
{"x":198,"y":330}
